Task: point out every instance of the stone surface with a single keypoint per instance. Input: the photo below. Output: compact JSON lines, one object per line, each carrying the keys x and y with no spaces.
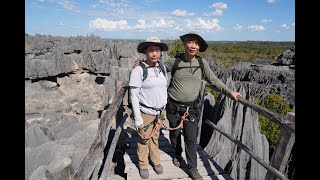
{"x":69,"y":81}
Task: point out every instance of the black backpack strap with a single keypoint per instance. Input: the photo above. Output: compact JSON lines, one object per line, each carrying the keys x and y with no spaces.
{"x":144,"y":70}
{"x":161,"y":66}
{"x":175,"y":64}
{"x":201,"y":66}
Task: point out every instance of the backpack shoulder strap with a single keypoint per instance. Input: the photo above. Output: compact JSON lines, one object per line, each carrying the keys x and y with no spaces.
{"x":175,"y":65}
{"x":144,"y":70}
{"x":201,"y":66}
{"x":161,"y":66}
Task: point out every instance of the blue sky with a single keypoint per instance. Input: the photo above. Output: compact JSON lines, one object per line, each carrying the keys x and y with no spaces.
{"x":222,"y":20}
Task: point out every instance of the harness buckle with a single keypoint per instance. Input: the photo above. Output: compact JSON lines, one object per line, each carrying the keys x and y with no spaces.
{"x":182,"y":105}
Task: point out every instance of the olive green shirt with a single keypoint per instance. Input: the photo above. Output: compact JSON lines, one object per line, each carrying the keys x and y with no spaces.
{"x":186,"y":82}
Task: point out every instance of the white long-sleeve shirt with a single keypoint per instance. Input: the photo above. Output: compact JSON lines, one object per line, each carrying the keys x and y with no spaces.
{"x":152,"y":92}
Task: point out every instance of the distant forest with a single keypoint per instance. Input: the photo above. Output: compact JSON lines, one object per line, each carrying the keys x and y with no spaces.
{"x":230,"y":52}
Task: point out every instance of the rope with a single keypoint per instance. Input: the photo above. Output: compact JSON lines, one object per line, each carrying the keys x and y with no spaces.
{"x":160,"y":121}
{"x":180,"y":124}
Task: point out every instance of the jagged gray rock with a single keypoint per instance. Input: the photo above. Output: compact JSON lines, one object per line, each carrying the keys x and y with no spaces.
{"x":286,"y":58}
{"x":242,"y":124}
{"x":263,"y":79}
{"x":47,"y":56}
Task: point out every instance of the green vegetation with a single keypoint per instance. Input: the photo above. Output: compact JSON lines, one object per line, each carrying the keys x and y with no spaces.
{"x":211,"y":91}
{"x":229,"y":53}
{"x":176,"y":48}
{"x":271,"y":130}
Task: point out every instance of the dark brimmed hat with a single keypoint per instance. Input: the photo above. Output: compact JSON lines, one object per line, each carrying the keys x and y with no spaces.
{"x":151,"y":41}
{"x":203,"y":43}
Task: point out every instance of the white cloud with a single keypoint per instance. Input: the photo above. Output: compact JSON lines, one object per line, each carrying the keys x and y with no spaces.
{"x":265,"y":21}
{"x":163,"y":24}
{"x":68,"y":5}
{"x":182,"y":13}
{"x":201,"y":24}
{"x":156,"y":25}
{"x":256,"y":28}
{"x":115,"y":8}
{"x":217,"y":12}
{"x":141,"y":26}
{"x":285,"y":26}
{"x":219,"y":5}
{"x":113,"y":4}
{"x":108,"y":25}
{"x":238,"y":27}
{"x":293,"y":24}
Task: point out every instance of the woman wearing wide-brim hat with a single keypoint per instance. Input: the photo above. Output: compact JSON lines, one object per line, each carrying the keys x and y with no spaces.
{"x":148,"y":98}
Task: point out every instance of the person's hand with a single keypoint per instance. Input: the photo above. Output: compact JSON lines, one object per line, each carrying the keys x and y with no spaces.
{"x":234,"y":95}
{"x":140,"y":130}
{"x":136,"y":63}
{"x":138,"y":121}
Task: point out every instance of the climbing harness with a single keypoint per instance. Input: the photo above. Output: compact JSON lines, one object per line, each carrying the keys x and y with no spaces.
{"x":159,"y":121}
{"x":157,"y":125}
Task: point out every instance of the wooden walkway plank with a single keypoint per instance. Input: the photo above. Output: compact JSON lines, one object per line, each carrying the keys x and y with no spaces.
{"x":213,"y":177}
{"x":131,"y":154}
{"x":168,"y":166}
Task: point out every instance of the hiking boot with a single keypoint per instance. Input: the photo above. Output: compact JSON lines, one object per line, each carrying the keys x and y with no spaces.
{"x":158,"y":169}
{"x":177,"y":160}
{"x":194,"y":174}
{"x":144,"y":173}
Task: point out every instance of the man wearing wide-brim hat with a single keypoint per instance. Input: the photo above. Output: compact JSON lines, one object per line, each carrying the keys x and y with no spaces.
{"x":183,"y":97}
{"x":192,"y":35}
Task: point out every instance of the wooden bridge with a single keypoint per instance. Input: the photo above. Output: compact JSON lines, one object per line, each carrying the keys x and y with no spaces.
{"x":115,"y":147}
{"x":207,"y":167}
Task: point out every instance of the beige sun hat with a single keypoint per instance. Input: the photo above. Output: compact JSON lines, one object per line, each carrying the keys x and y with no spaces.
{"x":152,"y":41}
{"x":203,"y":43}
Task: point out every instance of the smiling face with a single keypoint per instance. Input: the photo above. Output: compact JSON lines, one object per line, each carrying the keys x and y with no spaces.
{"x":191,"y":46}
{"x":153,"y":54}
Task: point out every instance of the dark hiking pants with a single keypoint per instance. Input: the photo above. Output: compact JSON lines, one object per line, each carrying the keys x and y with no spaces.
{"x":175,"y":111}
